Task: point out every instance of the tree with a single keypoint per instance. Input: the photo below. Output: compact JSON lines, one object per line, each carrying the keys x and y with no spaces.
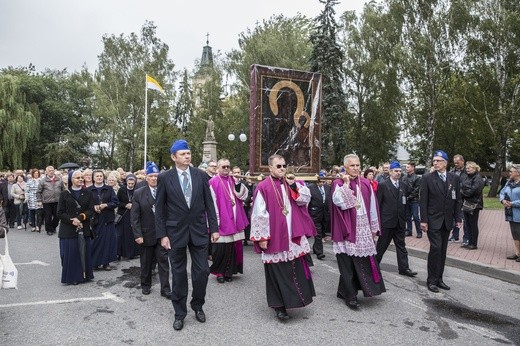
{"x":327,"y":57}
{"x":373,"y":53}
{"x":120,"y":95}
{"x":18,"y":121}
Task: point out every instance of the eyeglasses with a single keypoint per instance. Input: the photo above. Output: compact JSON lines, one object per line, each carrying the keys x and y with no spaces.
{"x":281,"y":166}
{"x":225,"y":167}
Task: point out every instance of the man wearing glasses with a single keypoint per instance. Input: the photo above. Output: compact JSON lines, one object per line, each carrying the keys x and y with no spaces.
{"x":280,"y":224}
{"x":229,"y":196}
{"x":440,"y":203}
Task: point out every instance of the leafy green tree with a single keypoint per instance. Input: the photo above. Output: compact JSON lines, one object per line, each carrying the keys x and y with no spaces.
{"x":18,"y":121}
{"x":327,"y":57}
{"x":120,"y":93}
{"x":372,"y":62}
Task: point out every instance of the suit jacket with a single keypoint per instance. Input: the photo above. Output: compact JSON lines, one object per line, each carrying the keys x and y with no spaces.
{"x":439,"y":201}
{"x":180,"y":222}
{"x":142,"y":216}
{"x":316,"y":206}
{"x":391,"y":208}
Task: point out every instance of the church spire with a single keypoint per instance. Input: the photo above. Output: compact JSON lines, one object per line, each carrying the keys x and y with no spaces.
{"x":207,"y":54}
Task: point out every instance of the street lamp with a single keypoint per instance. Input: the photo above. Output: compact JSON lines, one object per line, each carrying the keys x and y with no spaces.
{"x":241,"y":138}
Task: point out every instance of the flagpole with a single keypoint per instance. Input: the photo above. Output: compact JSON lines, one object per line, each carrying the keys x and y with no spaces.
{"x":145,"y":120}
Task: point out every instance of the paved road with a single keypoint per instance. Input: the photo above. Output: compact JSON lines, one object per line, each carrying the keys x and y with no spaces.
{"x":112,"y":311}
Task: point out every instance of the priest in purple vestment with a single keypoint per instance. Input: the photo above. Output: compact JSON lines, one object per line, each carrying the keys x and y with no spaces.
{"x":354,"y":224}
{"x":229,"y":195}
{"x":280,"y":225}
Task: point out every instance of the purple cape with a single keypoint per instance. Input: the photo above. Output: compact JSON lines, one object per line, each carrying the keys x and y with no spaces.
{"x":223,"y":188}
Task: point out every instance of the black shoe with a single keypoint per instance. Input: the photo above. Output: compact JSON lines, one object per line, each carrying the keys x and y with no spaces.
{"x":320,"y":256}
{"x":166,"y":294}
{"x":472,"y":247}
{"x":220,"y":279}
{"x":281,"y":314}
{"x":353,"y":303}
{"x":433,"y":288}
{"x":107,"y":267}
{"x":408,"y":272}
{"x":408,"y":234}
{"x":465,"y":246}
{"x":518,"y":259}
{"x":200,"y":316}
{"x":145,"y":290}
{"x":245,"y":243}
{"x":419,"y":236}
{"x":512,"y":257}
{"x":228,"y":278}
{"x":442,"y":285}
{"x":49,"y":233}
{"x":178,"y":324}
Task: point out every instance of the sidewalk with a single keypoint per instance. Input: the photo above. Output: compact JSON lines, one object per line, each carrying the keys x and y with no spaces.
{"x":494,"y":244}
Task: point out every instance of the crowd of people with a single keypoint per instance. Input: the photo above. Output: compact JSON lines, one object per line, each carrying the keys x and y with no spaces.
{"x":215,"y":211}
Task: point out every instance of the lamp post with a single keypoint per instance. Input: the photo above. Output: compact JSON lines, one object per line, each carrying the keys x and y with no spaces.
{"x":99,"y":147}
{"x":241,"y":138}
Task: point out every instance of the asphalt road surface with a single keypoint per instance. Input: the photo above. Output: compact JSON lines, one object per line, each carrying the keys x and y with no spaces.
{"x":111,"y":309}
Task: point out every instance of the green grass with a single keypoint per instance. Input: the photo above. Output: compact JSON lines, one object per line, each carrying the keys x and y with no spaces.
{"x":491,"y":202}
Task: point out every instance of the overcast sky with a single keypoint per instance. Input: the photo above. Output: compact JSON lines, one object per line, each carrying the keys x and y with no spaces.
{"x":61,"y":34}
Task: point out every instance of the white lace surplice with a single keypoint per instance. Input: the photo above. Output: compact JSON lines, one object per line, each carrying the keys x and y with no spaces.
{"x":260,"y":229}
{"x":364,"y":246}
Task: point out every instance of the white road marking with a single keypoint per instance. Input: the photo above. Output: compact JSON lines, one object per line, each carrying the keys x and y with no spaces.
{"x":33,"y":262}
{"x":106,"y":296}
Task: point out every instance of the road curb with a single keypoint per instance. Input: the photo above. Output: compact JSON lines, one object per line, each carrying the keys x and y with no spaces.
{"x":474,"y":267}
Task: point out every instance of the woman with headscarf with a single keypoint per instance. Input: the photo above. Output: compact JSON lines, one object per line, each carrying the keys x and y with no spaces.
{"x":126,"y":245}
{"x":75,"y":208}
{"x":104,"y":245}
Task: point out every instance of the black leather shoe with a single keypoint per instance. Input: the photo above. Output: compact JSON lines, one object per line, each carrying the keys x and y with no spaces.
{"x":167,"y":294}
{"x":200,"y":316}
{"x":419,"y":235}
{"x":443,"y":286}
{"x":320,"y":256}
{"x":408,"y":234}
{"x":220,"y":279}
{"x":408,"y":272}
{"x":107,"y":268}
{"x":178,"y":324}
{"x":353,"y":303}
{"x":281,"y":314}
{"x":512,"y":257}
{"x":472,"y":247}
{"x":228,"y":278}
{"x":145,"y":290}
{"x":464,"y":246}
{"x":433,"y":288}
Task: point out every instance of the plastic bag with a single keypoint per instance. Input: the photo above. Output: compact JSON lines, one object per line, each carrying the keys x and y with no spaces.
{"x":9,"y":273}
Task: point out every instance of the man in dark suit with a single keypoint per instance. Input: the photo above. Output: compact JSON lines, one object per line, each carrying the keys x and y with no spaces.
{"x":142,"y":218}
{"x":440,"y":203}
{"x":391,"y":196}
{"x":183,"y":213}
{"x":319,"y":210}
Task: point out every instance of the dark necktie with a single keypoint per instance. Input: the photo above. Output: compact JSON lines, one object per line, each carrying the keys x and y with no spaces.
{"x":154,"y":193}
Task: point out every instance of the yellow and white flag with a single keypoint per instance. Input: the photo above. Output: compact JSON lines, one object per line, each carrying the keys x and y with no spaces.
{"x":152,"y":84}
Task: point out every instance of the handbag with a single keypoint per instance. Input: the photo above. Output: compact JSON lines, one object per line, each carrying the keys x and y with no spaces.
{"x":9,"y":272}
{"x":468,"y":207}
{"x":119,"y":217}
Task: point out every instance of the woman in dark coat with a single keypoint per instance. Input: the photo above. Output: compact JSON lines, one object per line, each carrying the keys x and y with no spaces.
{"x":104,"y":245}
{"x":75,"y":208}
{"x":126,"y":245}
{"x":471,"y":192}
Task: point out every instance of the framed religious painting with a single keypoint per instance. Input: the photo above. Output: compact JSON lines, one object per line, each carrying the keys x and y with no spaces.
{"x":285,"y":118}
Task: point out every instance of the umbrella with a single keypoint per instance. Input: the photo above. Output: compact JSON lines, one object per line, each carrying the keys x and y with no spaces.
{"x":69,"y":165}
{"x":82,"y":252}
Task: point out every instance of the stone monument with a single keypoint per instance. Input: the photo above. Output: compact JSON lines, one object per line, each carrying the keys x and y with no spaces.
{"x":209,"y":145}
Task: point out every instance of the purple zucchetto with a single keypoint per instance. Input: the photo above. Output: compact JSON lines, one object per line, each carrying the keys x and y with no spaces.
{"x":441,"y":154}
{"x":151,"y":167}
{"x":395,"y":164}
{"x":179,"y":144}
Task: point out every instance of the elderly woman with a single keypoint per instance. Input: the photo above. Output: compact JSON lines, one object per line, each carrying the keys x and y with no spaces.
{"x":75,"y":208}
{"x":112,"y":181}
{"x":18,"y":193}
{"x":34,"y":206}
{"x":104,"y":245}
{"x":87,"y":178}
{"x":510,"y":198}
{"x":471,"y":192}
